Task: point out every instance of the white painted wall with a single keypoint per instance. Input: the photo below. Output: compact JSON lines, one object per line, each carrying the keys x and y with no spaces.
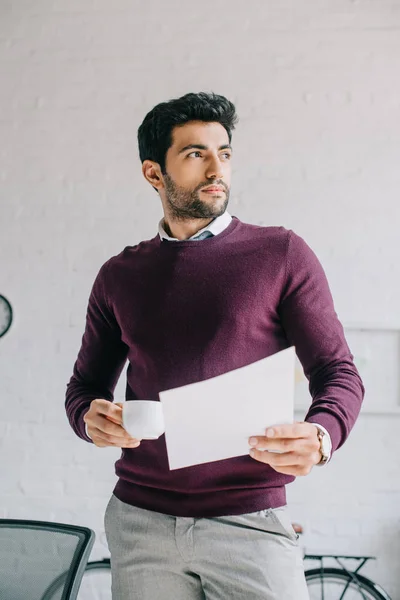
{"x":317,"y":87}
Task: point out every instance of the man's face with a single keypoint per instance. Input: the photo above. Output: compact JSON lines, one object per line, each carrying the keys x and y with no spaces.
{"x":200,"y":156}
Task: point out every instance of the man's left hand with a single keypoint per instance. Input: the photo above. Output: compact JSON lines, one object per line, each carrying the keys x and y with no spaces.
{"x":298,"y":446}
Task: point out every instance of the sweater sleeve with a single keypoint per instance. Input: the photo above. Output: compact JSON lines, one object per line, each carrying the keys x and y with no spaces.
{"x":311,"y":324}
{"x":100,"y":359}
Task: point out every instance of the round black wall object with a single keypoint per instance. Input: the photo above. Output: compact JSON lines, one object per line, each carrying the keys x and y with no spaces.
{"x":6,"y":315}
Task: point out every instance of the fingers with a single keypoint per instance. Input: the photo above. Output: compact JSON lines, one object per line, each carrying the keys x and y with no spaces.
{"x":296,"y":437}
{"x":276,"y":445}
{"x":100,"y":429}
{"x":99,"y":437}
{"x":289,"y":463}
{"x":111,"y":410}
{"x":114,"y":435}
{"x":275,"y":460}
{"x":291,"y":430}
{"x":291,"y":449}
{"x":300,"y":445}
{"x":278,"y":460}
{"x":102,"y":440}
{"x":104,"y":425}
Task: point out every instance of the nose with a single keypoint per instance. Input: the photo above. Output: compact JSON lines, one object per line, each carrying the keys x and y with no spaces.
{"x":214,"y":169}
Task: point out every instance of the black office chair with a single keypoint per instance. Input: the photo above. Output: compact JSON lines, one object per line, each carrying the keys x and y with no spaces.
{"x":41,"y":560}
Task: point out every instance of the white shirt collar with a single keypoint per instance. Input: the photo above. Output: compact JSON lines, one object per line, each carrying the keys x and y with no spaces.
{"x":216,"y":226}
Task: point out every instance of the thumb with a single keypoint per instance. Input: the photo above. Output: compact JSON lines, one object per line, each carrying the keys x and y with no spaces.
{"x":116,"y":413}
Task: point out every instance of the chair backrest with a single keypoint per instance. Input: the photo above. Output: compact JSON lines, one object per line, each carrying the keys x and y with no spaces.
{"x":41,"y":560}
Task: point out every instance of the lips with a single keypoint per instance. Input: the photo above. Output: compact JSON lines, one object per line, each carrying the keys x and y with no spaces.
{"x":213,"y":189}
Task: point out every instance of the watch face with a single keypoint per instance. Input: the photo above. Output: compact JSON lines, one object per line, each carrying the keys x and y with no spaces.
{"x":5,"y":315}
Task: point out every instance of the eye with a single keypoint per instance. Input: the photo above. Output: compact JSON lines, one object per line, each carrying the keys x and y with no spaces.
{"x":195,"y":152}
{"x":228,"y":155}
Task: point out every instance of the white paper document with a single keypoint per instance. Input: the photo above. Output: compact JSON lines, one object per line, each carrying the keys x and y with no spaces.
{"x":213,"y":419}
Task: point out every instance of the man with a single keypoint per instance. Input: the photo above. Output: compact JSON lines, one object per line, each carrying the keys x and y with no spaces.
{"x":206,"y":295}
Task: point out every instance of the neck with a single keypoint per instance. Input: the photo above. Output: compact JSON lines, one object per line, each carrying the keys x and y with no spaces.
{"x":183,"y":230}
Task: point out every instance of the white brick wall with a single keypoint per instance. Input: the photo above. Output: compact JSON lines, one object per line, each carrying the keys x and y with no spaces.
{"x":317,"y":88}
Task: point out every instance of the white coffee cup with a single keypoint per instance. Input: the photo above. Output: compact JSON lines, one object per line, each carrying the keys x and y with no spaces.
{"x":143,"y":419}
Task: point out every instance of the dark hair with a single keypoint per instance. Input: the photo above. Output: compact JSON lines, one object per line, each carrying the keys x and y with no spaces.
{"x":155,"y":132}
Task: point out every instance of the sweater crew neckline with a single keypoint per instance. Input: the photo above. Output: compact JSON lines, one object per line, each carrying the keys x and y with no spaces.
{"x":213,"y":239}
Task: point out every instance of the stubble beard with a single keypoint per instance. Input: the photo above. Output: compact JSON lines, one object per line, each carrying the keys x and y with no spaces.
{"x":184,"y":204}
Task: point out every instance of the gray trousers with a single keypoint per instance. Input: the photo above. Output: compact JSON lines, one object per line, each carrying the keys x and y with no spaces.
{"x":246,"y":557}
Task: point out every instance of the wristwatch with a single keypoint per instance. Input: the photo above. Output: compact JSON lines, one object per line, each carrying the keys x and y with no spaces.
{"x":324,"y":446}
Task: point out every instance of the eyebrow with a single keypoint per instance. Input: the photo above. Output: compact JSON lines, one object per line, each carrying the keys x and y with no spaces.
{"x":202,"y":147}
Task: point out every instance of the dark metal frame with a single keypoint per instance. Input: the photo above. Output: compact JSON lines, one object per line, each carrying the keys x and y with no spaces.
{"x":79,"y":561}
{"x":353,"y":575}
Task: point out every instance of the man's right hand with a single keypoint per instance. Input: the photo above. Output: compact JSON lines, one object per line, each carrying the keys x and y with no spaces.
{"x":104,"y":425}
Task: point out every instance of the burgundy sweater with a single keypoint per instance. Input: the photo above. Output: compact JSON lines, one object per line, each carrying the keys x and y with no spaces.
{"x":182,"y":312}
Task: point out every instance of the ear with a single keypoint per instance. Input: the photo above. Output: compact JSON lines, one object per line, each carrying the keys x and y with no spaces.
{"x":152,"y":173}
